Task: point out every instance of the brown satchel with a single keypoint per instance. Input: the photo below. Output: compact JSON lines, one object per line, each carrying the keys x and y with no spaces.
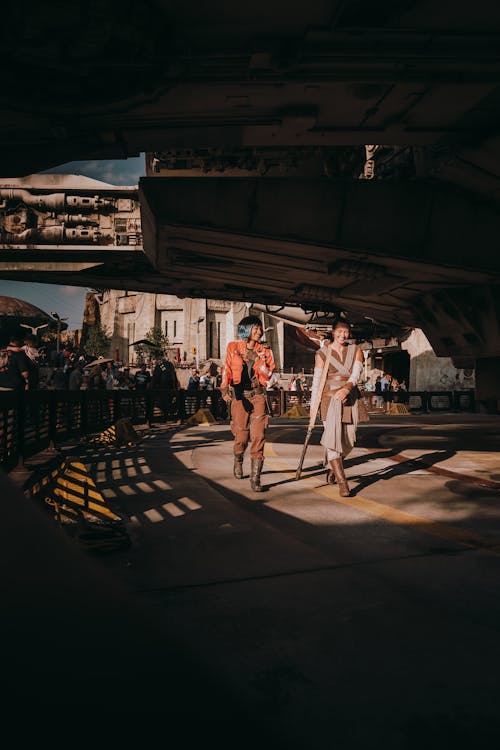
{"x":362,"y":413}
{"x":354,"y":396}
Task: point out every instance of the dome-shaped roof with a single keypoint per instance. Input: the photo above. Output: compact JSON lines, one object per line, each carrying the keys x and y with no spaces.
{"x":18,"y":308}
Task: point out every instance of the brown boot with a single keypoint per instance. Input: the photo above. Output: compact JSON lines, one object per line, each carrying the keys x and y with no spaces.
{"x":238,"y":467}
{"x":330,"y":477}
{"x":338,"y":470}
{"x":255,"y":470}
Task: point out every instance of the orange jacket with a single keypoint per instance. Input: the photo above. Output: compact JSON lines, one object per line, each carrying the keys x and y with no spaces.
{"x":233,"y":366}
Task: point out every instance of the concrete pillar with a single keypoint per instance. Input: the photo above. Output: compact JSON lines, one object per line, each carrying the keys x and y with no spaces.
{"x":429,"y":372}
{"x":488,"y":385}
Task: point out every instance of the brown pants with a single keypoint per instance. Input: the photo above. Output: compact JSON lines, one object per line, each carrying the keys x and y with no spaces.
{"x":249,"y":427}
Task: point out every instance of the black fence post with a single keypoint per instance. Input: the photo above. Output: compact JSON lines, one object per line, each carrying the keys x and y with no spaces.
{"x":117,"y":397}
{"x":181,"y":405}
{"x":52,"y":419}
{"x":21,"y":407}
{"x":84,"y":413}
{"x":426,"y":402}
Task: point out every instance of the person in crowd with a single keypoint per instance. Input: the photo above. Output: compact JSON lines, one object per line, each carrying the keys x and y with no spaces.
{"x":340,"y":400}
{"x":31,"y":351}
{"x":191,"y":401}
{"x":111,"y":377}
{"x":403,"y":392}
{"x":42,"y":357}
{"x":379,"y":398}
{"x":59,"y":379}
{"x":75,"y":379}
{"x":165,"y":379}
{"x":387,"y":391}
{"x":96,"y":378}
{"x":194,"y":381}
{"x":142,"y":378}
{"x":396,"y":392}
{"x":273,"y":397}
{"x":14,"y":367}
{"x":211,"y":371}
{"x":126,"y":379}
{"x":248,"y":367}
{"x":164,"y":375}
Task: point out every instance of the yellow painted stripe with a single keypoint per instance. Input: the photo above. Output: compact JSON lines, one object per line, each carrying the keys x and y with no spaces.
{"x":393,"y":515}
{"x":77,"y":489}
{"x":81,"y":477}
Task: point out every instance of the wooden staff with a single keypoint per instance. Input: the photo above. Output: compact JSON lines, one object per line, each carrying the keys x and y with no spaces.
{"x":314,"y":409}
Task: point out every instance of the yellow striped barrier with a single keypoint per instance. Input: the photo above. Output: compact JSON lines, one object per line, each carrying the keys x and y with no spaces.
{"x":297,"y":411}
{"x":399,"y":409}
{"x":202,"y":416}
{"x":71,"y":492}
{"x":121,"y":433}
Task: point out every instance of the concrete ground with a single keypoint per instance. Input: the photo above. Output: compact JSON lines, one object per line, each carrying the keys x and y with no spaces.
{"x":362,"y":622}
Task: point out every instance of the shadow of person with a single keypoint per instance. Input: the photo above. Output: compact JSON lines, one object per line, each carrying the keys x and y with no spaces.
{"x":400,"y":468}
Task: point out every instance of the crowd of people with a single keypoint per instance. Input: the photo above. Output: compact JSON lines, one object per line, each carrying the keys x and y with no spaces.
{"x":25,"y":367}
{"x":386,"y":390}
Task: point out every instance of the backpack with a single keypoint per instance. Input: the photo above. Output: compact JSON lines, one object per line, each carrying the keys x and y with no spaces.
{"x":4,"y":359}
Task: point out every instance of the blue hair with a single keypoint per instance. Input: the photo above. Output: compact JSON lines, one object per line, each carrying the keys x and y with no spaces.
{"x":246,"y":324}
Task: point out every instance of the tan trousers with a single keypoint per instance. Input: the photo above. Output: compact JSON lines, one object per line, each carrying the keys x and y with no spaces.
{"x":249,"y":427}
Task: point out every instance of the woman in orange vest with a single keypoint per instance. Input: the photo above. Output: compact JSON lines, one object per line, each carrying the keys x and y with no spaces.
{"x":247,"y":370}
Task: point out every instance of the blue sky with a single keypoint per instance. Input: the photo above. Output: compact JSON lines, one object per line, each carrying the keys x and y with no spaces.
{"x":68,"y":301}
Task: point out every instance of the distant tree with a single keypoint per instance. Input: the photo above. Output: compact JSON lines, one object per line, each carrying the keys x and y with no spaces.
{"x":98,"y":341}
{"x":156,"y":344}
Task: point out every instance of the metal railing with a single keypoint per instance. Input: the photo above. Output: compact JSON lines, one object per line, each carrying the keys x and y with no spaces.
{"x":34,"y":421}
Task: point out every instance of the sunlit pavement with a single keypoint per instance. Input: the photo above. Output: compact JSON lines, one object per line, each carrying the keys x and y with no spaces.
{"x":369,"y":621}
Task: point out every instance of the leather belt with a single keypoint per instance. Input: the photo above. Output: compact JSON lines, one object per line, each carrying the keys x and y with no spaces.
{"x":336,"y":382}
{"x":253,"y":392}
